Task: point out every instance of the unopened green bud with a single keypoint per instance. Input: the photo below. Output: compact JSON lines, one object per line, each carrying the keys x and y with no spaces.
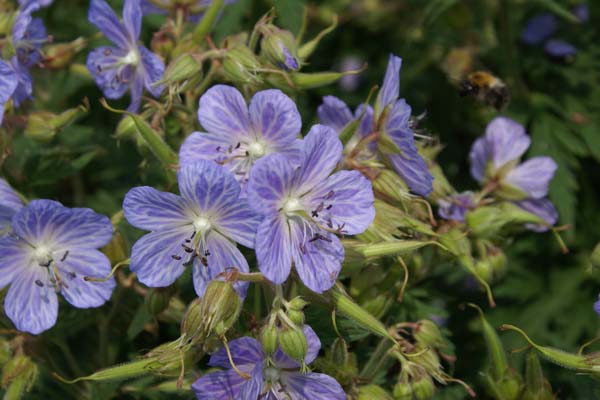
{"x":116,"y":249}
{"x":125,"y":128}
{"x":485,"y":221}
{"x":184,"y":69}
{"x":157,"y":299}
{"x":297,"y":303}
{"x":428,"y":334}
{"x":43,"y":125}
{"x":339,"y":352}
{"x":5,"y":351}
{"x":536,"y":385}
{"x":6,"y":22}
{"x":18,"y":376}
{"x":192,"y":321}
{"x":293,"y":342}
{"x":423,"y":387}
{"x":279,"y":48}
{"x":60,"y":55}
{"x":371,"y":392}
{"x":403,"y":391}
{"x":295,"y":316}
{"x":241,"y":66}
{"x":221,"y":306}
{"x":391,"y":185}
{"x":268,"y":339}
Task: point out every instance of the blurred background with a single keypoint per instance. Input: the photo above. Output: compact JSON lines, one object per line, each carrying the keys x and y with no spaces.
{"x":554,"y":92}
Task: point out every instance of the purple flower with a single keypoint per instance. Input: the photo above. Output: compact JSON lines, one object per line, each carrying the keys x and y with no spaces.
{"x":456,"y":206}
{"x":129,"y":65}
{"x":52,"y":249}
{"x":560,"y":50}
{"x":539,"y":28}
{"x":597,"y":306}
{"x":582,"y":12}
{"x":8,"y":84}
{"x":193,"y":9}
{"x":237,"y":135}
{"x":200,"y":227}
{"x":495,"y":156}
{"x":542,"y":208}
{"x":393,"y":116}
{"x":273,"y":380}
{"x":304,"y":207}
{"x":350,"y":82}
{"x":38,"y":3}
{"x":10,"y":204}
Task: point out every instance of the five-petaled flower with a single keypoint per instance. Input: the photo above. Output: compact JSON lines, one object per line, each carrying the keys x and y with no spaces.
{"x":304,"y":208}
{"x":278,"y":378}
{"x":53,"y":249}
{"x":390,"y":117}
{"x":129,"y":65}
{"x":198,"y":228}
{"x":238,"y":135}
{"x":10,"y":203}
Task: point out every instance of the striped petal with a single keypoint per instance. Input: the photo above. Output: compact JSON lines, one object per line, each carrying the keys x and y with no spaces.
{"x":149,"y":209}
{"x":104,"y":18}
{"x":274,"y":248}
{"x":245,"y":352}
{"x":275,"y":117}
{"x":390,"y":90}
{"x":77,"y":264}
{"x":533,"y":176}
{"x":506,"y":140}
{"x":312,"y":386}
{"x":31,"y":302}
{"x":221,"y":256}
{"x":238,"y":221}
{"x":157,"y":258}
{"x":223,"y":111}
{"x":16,"y":255}
{"x":204,"y":146}
{"x":270,"y":183}
{"x":334,"y":113}
{"x":132,"y":19}
{"x":219,"y":385}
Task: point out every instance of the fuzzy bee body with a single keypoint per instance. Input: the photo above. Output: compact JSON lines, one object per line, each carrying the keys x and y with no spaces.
{"x":486,"y":88}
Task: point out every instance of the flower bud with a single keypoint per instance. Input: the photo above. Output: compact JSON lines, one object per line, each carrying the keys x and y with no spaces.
{"x":268,"y":339}
{"x":18,"y":376}
{"x":428,"y":334}
{"x":536,"y":385}
{"x":297,"y":303}
{"x":339,"y":352}
{"x":157,"y":299}
{"x":371,"y":392}
{"x":185,"y":71}
{"x":485,"y":221}
{"x":295,"y":316}
{"x":191,"y":324}
{"x":42,"y":126}
{"x":60,"y":55}
{"x":423,"y":387}
{"x":241,"y":66}
{"x":5,"y":351}
{"x":279,"y":48}
{"x":403,"y":391}
{"x":125,"y":128}
{"x":293,"y":342}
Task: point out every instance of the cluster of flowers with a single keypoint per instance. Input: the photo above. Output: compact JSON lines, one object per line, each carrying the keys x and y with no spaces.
{"x":23,"y":46}
{"x":542,"y":27}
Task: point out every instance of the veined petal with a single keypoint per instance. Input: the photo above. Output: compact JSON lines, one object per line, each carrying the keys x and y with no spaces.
{"x":412,"y":168}
{"x":245,"y":352}
{"x":137,"y":89}
{"x":8,"y":197}
{"x":101,"y":64}
{"x":154,"y":256}
{"x":74,"y":267}
{"x":274,"y":248}
{"x":533,"y":176}
{"x":312,"y":386}
{"x":16,"y":256}
{"x":203,"y":146}
{"x":238,"y":221}
{"x":479,"y":157}
{"x":50,"y":222}
{"x":334,"y":113}
{"x":219,"y":385}
{"x":275,"y":117}
{"x":24,"y":85}
{"x":149,"y":209}
{"x":544,"y":209}
{"x":31,"y":307}
{"x":153,"y":70}
{"x":366,"y":123}
{"x":8,"y":84}
{"x":223,"y":111}
{"x":321,"y":153}
{"x":132,"y":19}
{"x":344,"y":199}
{"x":221,"y":256}
{"x":506,"y":140}
{"x":318,"y":262}
{"x":270,"y":183}
{"x":291,"y":151}
{"x":390,"y":90}
{"x":207,"y":185}
{"x":104,"y":18}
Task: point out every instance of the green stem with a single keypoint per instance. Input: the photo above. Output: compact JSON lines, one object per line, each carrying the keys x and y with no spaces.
{"x":207,"y":21}
{"x":376,"y":360}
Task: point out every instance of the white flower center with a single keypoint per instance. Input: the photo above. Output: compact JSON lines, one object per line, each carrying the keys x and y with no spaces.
{"x":257,"y":149}
{"x":132,"y":58}
{"x":291,"y":206}
{"x":42,"y":254}
{"x":201,"y":224}
{"x":271,"y":374}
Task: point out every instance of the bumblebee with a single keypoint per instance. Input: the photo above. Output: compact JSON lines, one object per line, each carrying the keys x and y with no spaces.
{"x":486,"y":88}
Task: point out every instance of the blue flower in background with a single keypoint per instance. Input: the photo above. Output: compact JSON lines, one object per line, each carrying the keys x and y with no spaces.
{"x":392,"y":115}
{"x":198,"y":228}
{"x":544,"y":209}
{"x":238,"y":135}
{"x":582,"y":12}
{"x":51,"y":250}
{"x":455,"y":207}
{"x":8,"y":84}
{"x":597,"y":306}
{"x":539,"y":28}
{"x":560,"y":50}
{"x":129,"y":65}
{"x":194,"y":9}
{"x":304,"y":208}
{"x":10,"y":204}
{"x":279,"y":379}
